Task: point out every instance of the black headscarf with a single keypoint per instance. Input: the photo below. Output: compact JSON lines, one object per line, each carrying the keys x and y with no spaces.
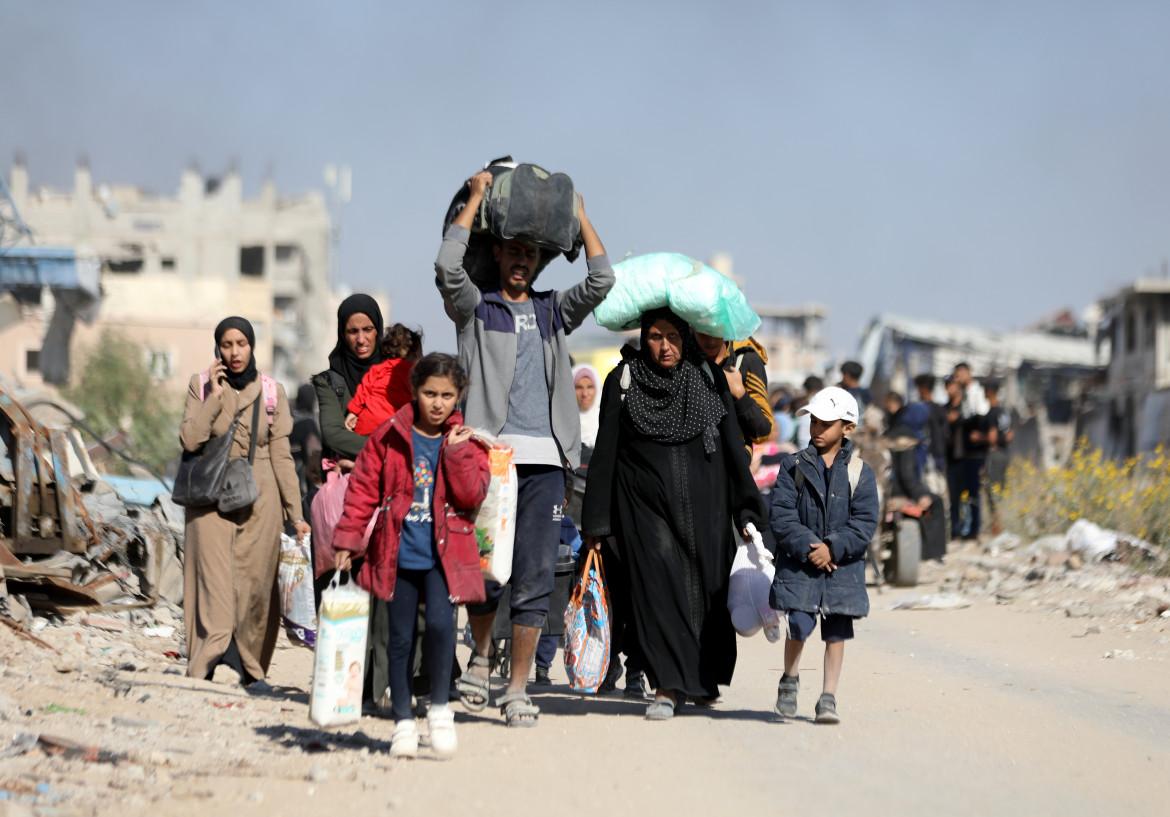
{"x":673,"y":405}
{"x":238,"y":380}
{"x":342,"y":359}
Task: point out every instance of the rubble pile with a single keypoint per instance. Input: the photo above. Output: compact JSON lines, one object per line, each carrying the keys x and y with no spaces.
{"x":1087,"y":573}
{"x":68,"y":540}
{"x":99,"y":717}
{"x":96,"y":711}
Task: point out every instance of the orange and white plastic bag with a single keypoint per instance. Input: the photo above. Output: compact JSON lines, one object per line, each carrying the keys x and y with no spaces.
{"x":495,"y":521}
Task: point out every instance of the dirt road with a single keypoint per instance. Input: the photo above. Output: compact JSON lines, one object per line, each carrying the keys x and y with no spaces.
{"x":989,"y":709}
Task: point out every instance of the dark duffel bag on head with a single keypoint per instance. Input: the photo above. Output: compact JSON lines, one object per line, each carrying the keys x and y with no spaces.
{"x":526,"y":203}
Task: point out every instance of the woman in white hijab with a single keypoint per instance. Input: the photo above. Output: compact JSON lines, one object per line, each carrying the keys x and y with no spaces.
{"x":587,"y":382}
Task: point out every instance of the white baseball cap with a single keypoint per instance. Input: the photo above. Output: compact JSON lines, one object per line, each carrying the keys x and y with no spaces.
{"x":832,"y":403}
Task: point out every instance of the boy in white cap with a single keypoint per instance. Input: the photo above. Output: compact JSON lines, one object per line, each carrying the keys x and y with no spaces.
{"x":824,"y":513}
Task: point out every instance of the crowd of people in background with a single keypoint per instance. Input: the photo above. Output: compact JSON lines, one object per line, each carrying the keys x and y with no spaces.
{"x":956,"y":430}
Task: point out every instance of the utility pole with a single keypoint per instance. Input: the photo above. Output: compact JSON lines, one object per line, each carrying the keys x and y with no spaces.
{"x":339,"y":180}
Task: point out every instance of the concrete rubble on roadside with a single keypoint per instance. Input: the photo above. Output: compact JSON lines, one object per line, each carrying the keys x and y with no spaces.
{"x":1086,"y":573}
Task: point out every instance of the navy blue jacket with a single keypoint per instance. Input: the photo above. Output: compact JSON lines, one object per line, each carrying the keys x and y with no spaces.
{"x":845,"y":524}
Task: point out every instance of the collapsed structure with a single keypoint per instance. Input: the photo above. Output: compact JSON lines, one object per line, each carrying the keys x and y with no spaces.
{"x":68,"y":539}
{"x":1051,"y":373}
{"x":1133,"y":414}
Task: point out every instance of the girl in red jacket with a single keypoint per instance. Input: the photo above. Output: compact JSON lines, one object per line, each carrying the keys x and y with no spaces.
{"x":428,"y":476}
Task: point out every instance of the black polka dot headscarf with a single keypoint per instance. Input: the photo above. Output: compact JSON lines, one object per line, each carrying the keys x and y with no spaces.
{"x":673,"y":405}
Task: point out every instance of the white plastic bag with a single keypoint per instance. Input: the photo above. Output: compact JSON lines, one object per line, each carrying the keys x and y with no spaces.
{"x":298,"y":607}
{"x":339,"y":662}
{"x":747,"y":589}
{"x":495,"y":521}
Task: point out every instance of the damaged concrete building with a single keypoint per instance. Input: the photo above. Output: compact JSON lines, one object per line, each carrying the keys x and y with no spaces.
{"x":1051,"y":373}
{"x":171,"y":267}
{"x":793,"y":337}
{"x":1133,"y":416}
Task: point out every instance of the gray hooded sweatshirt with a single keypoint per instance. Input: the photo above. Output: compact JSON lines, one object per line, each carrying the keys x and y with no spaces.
{"x":486,"y":329}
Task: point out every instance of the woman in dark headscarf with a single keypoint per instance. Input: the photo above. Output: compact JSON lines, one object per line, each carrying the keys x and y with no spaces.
{"x":359,"y":336}
{"x":230,"y":606}
{"x":358,"y":349}
{"x":668,"y":478}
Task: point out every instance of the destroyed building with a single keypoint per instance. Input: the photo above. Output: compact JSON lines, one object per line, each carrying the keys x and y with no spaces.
{"x":1133,"y":415}
{"x":171,"y":267}
{"x":1051,"y":375}
{"x":69,"y":540}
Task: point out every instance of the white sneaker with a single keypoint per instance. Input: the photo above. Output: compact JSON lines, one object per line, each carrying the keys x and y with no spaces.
{"x":404,"y":739}
{"x":441,"y":723}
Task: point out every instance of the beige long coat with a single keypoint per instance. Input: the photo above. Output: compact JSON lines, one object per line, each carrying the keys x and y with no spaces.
{"x":231,"y":559}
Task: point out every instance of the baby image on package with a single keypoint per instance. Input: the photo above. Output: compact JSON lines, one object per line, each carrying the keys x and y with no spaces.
{"x":339,"y":658}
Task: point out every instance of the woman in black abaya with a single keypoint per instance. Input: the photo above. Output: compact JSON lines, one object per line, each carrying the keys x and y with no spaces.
{"x":668,"y":478}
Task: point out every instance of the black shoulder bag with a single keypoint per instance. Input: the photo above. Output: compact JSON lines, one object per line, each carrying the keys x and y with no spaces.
{"x":201,"y":472}
{"x":238,"y":489}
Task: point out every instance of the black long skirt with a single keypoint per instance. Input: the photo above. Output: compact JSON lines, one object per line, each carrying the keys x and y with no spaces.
{"x":673,"y":525}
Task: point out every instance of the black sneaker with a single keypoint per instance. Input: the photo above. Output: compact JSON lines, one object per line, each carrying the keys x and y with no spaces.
{"x":260,"y":687}
{"x":611,"y":678}
{"x":636,"y":686}
{"x":420,"y":706}
{"x":542,"y":679}
{"x":786,"y":696}
{"x":827,"y":709}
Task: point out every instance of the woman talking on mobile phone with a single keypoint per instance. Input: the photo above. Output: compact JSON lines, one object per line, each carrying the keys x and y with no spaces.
{"x":230,"y":606}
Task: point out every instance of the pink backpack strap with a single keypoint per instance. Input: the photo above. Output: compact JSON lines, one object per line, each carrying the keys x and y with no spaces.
{"x":268,"y":389}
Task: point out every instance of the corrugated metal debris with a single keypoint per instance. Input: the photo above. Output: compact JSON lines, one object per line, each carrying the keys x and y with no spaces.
{"x":67,"y":538}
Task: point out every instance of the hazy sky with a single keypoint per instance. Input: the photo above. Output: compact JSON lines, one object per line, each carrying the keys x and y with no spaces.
{"x":976,"y":162}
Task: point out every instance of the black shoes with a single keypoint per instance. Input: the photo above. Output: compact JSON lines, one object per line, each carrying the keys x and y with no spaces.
{"x":614,"y":674}
{"x":636,"y":686}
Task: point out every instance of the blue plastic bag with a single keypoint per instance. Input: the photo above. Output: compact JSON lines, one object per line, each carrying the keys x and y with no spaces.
{"x":705,"y":298}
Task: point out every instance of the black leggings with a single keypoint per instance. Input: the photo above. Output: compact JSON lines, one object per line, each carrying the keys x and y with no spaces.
{"x":410,"y":587}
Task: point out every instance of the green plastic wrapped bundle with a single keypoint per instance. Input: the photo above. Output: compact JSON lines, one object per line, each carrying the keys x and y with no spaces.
{"x":706,"y":299}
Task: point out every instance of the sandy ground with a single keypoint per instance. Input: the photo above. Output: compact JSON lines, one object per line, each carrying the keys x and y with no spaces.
{"x":1007,"y":709}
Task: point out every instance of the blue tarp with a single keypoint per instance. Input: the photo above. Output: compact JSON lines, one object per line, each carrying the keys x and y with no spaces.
{"x":59,"y":267}
{"x":139,"y":491}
